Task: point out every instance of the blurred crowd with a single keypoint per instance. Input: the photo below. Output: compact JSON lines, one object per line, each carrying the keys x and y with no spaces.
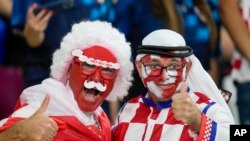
{"x":217,"y":30}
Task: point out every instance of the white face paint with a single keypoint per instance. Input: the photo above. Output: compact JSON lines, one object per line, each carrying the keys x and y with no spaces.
{"x":170,"y":78}
{"x":183,"y":76}
{"x":151,"y":85}
{"x":154,"y":89}
{"x":93,"y":84}
{"x":168,"y":81}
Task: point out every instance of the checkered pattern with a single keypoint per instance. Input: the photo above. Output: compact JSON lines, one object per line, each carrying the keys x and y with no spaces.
{"x":137,"y":121}
{"x":208,"y":129}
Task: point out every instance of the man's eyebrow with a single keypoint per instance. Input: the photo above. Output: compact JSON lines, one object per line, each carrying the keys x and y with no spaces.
{"x":175,"y":59}
{"x":154,"y":60}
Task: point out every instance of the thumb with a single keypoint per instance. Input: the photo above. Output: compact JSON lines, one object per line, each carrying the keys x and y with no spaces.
{"x":43,"y":107}
{"x":183,"y":88}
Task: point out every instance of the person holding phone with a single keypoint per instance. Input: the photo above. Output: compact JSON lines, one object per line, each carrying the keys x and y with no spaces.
{"x":34,"y":30}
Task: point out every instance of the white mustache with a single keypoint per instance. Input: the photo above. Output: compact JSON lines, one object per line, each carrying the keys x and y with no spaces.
{"x":93,"y":84}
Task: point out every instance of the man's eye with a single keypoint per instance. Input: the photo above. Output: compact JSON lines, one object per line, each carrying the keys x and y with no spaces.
{"x":153,"y":66}
{"x":108,"y":70}
{"x":87,"y":66}
{"x":174,"y":67}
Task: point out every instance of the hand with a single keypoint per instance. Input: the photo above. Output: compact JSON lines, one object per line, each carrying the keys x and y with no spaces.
{"x":36,"y":25}
{"x":184,"y":108}
{"x":40,"y":127}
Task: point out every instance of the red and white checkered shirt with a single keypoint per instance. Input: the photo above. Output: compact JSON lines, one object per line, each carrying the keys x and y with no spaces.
{"x":139,"y":122}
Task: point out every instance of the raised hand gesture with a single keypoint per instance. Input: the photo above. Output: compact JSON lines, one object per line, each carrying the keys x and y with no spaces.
{"x":40,"y":127}
{"x":185,"y":109}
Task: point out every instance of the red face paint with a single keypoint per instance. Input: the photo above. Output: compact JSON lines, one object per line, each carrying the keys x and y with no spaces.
{"x":82,"y":73}
{"x":162,"y":75}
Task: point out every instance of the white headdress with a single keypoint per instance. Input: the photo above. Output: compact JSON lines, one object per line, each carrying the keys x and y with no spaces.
{"x":198,"y":79}
{"x":86,"y":34}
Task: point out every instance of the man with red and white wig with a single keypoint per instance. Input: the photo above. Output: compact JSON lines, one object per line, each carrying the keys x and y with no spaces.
{"x":180,"y":101}
{"x":92,"y":64}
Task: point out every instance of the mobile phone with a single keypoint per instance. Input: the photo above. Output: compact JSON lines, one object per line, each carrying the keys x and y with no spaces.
{"x":57,"y":6}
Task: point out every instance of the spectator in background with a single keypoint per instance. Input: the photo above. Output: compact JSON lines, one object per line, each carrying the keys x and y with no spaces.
{"x":135,"y":19}
{"x":235,"y":16}
{"x":92,"y":64}
{"x":198,"y":22}
{"x":227,"y":82}
{"x":180,"y":101}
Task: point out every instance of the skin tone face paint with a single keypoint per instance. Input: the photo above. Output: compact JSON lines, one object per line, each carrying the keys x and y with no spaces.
{"x":161,"y":75}
{"x":92,"y":80}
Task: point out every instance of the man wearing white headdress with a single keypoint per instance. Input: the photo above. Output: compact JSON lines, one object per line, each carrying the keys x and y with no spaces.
{"x":92,"y":64}
{"x":180,"y":102}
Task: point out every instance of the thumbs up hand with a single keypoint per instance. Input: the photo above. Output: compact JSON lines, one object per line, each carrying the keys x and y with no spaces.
{"x":40,"y":127}
{"x":184,"y":108}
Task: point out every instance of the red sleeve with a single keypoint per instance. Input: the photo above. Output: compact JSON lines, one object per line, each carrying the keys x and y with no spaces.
{"x":205,"y":128}
{"x":18,"y":104}
{"x":10,"y":122}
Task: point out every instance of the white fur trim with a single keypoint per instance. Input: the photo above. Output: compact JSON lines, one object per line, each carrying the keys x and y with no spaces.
{"x":90,"y":33}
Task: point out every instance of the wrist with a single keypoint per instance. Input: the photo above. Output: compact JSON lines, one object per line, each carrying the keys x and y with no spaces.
{"x":20,"y":130}
{"x":33,"y":39}
{"x":14,"y":133}
{"x":197,"y":122}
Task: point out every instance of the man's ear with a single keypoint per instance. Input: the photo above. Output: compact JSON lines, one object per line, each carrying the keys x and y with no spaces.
{"x":69,"y":69}
{"x":139,"y":68}
{"x":188,"y":67}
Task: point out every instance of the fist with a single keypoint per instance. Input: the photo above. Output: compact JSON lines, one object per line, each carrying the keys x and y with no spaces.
{"x":40,"y":127}
{"x":185,"y":109}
